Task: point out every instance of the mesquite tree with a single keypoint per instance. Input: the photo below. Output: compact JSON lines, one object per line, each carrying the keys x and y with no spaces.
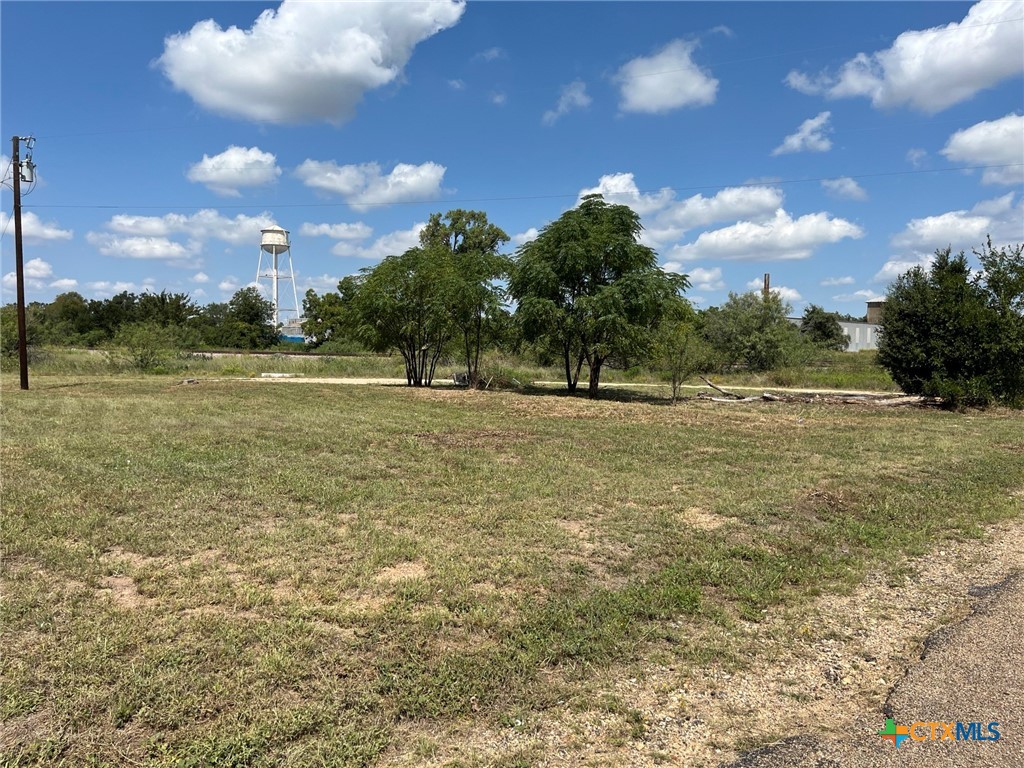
{"x":589,"y":290}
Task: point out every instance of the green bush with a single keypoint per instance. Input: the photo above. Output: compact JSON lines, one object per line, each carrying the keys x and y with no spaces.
{"x":957,"y":335}
{"x":145,"y":347}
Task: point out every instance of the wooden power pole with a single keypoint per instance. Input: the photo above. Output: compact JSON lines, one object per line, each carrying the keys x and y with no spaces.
{"x":19,"y":263}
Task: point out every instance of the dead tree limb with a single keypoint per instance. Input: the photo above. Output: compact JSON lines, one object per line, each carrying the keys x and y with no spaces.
{"x":725,"y":392}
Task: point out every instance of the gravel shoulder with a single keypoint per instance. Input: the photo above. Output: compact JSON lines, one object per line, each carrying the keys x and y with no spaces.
{"x":820,"y":683}
{"x":968,"y":671}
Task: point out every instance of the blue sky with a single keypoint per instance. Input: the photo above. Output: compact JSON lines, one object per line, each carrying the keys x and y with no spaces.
{"x":818,"y":142}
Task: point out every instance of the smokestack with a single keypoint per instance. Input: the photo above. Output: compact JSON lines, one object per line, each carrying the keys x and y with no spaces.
{"x":767,"y":285}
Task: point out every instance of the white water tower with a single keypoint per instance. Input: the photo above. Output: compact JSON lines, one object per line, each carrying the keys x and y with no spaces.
{"x":275,"y":244}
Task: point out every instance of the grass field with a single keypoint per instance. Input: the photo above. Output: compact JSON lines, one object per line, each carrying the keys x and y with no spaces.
{"x":257,"y":574}
{"x":853,"y":371}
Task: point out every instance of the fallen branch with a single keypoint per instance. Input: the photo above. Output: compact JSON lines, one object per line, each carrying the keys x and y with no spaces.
{"x":725,"y":392}
{"x":733,"y":399}
{"x":887,"y":400}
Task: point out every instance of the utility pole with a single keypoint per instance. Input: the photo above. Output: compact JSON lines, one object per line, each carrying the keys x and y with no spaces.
{"x":19,"y":262}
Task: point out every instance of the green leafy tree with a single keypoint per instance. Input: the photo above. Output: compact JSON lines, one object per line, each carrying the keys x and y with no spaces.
{"x":680,"y":350}
{"x":248,"y":322}
{"x":65,"y":320}
{"x":473,"y":244}
{"x":752,"y":330}
{"x":324,"y":316}
{"x":587,"y":289}
{"x":9,"y":329}
{"x":1002,"y":274}
{"x":960,"y":337}
{"x":111,"y":314}
{"x":405,"y":303}
{"x":210,"y":323}
{"x":822,"y":329}
{"x":165,"y":309}
{"x":329,"y":317}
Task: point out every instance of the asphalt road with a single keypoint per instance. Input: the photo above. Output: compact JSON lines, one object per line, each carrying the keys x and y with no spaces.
{"x":971,"y":671}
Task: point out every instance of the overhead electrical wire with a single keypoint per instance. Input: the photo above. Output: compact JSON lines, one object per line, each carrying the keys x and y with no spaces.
{"x":517,"y":198}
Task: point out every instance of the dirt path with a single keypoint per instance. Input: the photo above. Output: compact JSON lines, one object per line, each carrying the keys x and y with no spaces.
{"x":822,"y":674}
{"x":297,"y":379}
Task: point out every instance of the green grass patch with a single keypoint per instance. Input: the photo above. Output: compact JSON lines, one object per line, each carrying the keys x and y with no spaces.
{"x":244,"y":573}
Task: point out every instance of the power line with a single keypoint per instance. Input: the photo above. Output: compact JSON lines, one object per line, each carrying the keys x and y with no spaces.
{"x":516,"y":198}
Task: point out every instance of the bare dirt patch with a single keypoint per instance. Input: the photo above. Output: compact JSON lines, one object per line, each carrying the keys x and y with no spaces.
{"x":401,"y":572}
{"x":472,"y":438}
{"x":123,"y":591}
{"x":33,"y":727}
{"x":223,"y":611}
{"x":698,"y":517}
{"x":134,"y":559}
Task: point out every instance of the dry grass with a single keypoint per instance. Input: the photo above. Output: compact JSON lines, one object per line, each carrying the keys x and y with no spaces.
{"x":237,"y":575}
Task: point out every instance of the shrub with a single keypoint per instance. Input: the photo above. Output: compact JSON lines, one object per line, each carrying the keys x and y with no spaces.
{"x":146,"y":347}
{"x":949,"y":334}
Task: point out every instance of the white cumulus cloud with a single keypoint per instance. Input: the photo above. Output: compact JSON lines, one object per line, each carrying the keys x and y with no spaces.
{"x":343,"y":231}
{"x":574,"y":96}
{"x":965,"y":229}
{"x":320,"y":284}
{"x":106,"y":288}
{"x":200,"y":277}
{"x":960,"y":230}
{"x":787,"y":294}
{"x":865,"y":295}
{"x":833,"y":281}
{"x":704,"y":279}
{"x":364,"y":186}
{"x":64,"y":284}
{"x":935,"y":68}
{"x":729,"y":204}
{"x":667,"y":80}
{"x":781,"y":237}
{"x":234,"y":168}
{"x":621,"y":189}
{"x":897,"y":265}
{"x":304,"y":61}
{"x":391,"y":244}
{"x":34,"y":229}
{"x":145,"y":248}
{"x":844,"y":187}
{"x":524,"y":237}
{"x":36,"y":273}
{"x":37,"y":269}
{"x":992,"y":142}
{"x":203,"y":225}
{"x":809,"y":137}
{"x":667,"y":219}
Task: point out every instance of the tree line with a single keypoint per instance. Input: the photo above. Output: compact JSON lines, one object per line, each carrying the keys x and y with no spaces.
{"x":584,"y":295}
{"x":171,"y":320}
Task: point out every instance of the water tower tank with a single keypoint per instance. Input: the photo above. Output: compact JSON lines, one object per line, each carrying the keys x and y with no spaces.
{"x":275,"y":240}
